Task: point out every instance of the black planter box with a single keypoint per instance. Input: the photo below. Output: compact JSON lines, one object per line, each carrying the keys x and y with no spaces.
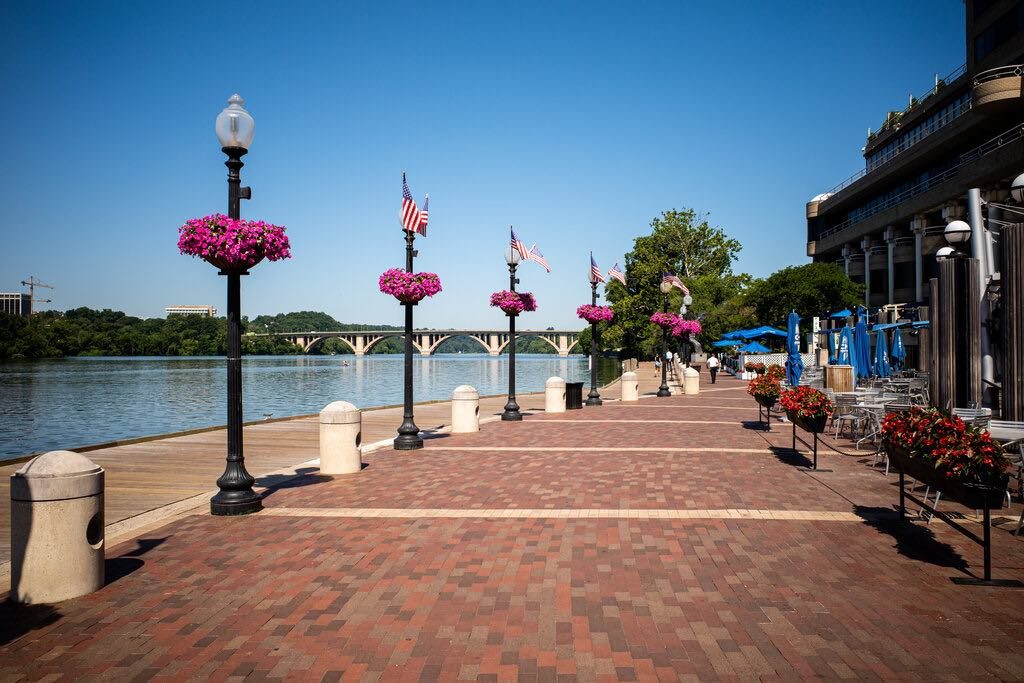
{"x":970,"y":495}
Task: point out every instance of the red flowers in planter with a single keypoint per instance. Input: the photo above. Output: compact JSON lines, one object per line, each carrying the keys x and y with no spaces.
{"x":805,"y":402}
{"x":754,"y":367}
{"x":764,"y":389}
{"x":776,"y":372}
{"x":956,"y":450}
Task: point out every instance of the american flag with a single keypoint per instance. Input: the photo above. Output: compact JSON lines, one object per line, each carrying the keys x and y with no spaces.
{"x":411,"y":219}
{"x":535,"y":255}
{"x":519,"y":245}
{"x":617,"y":274}
{"x":675,"y":282}
{"x":421,"y":228}
{"x":595,"y":272}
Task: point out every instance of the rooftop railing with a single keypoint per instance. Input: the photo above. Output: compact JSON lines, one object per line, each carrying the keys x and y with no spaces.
{"x":1008,"y":71}
{"x":1012,"y":135}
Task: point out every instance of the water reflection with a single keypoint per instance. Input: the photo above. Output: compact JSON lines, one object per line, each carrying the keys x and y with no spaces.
{"x":71,"y":402}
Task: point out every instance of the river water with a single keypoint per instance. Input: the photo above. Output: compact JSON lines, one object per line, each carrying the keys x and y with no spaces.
{"x":46,"y":405}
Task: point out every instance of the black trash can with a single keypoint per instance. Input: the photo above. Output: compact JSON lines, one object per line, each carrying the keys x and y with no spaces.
{"x":573,"y":395}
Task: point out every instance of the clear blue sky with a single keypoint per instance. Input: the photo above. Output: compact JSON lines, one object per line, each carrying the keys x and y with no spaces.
{"x":576,"y":122}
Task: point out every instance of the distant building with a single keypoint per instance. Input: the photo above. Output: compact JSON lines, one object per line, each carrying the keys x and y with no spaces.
{"x":15,"y":303}
{"x":884,"y":224}
{"x":205,"y":311}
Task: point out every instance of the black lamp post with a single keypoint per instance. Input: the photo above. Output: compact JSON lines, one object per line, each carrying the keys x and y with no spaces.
{"x":512,"y":413}
{"x":408,"y":438}
{"x":666,"y":287}
{"x":235,"y":128}
{"x":593,"y":398}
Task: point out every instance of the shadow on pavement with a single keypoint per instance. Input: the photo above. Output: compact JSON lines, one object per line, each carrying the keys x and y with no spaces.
{"x":756,"y":425}
{"x":788,"y":456}
{"x":17,"y":620}
{"x":914,"y":541}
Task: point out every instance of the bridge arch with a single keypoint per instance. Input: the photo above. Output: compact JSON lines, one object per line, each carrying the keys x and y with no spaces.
{"x":316,"y":341}
{"x":483,"y":343}
{"x":371,"y":342}
{"x":538,"y":335}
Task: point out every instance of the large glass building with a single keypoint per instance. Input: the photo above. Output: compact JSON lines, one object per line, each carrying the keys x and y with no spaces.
{"x":884,"y":224}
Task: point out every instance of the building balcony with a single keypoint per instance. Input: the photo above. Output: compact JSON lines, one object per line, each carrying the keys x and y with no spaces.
{"x":999,"y":89}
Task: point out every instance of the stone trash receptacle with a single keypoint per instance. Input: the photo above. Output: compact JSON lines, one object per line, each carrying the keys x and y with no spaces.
{"x":630,"y":386}
{"x":691,"y":381}
{"x":465,"y":410}
{"x":554,"y":395}
{"x":341,"y":425}
{"x":57,"y":528}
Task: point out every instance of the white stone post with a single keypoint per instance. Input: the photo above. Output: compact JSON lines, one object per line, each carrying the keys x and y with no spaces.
{"x":554,"y":395}
{"x":691,"y":382}
{"x":630,"y":386}
{"x":57,"y":528}
{"x":465,"y":410}
{"x":340,"y":437}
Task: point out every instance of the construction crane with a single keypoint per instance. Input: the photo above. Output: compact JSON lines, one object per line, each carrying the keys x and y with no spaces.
{"x":32,"y":283}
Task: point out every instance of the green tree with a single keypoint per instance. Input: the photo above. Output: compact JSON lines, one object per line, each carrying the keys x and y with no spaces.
{"x":683,"y":243}
{"x":811,"y":289}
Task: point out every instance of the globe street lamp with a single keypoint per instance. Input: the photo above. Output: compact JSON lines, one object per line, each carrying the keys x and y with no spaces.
{"x":235,"y":128}
{"x":666,"y":287}
{"x":512,"y":413}
{"x":408,"y":438}
{"x":593,"y":398}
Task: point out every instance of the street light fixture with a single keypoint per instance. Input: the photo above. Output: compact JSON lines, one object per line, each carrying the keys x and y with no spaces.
{"x":408,"y":438}
{"x":593,"y":398}
{"x":235,"y":128}
{"x":1017,"y":188}
{"x":512,"y":414}
{"x":666,"y":287}
{"x":957,"y":232}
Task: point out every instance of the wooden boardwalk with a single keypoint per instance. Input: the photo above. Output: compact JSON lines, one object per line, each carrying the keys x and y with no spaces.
{"x":166,"y":475}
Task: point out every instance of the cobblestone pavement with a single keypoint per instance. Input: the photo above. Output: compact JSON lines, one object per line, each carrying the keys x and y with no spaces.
{"x":766,"y":572}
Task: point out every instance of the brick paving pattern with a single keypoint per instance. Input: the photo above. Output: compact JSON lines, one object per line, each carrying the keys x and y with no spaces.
{"x":538,"y":596}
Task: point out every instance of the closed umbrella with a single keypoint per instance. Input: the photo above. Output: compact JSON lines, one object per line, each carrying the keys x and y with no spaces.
{"x":794,"y":363}
{"x":881,"y":367}
{"x":862,"y":344}
{"x":832,"y":336}
{"x":899,"y":351}
{"x":846,"y":354}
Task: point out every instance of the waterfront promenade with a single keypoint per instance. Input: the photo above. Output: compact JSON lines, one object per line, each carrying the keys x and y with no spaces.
{"x":661,"y":539}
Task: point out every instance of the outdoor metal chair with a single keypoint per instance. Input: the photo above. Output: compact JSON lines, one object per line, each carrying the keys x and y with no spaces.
{"x":1011,"y":435}
{"x":978,"y":417}
{"x":845,"y":413}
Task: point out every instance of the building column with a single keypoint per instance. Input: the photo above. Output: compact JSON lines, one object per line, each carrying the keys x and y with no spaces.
{"x":865,"y":244}
{"x":846,"y":259}
{"x":918,"y":227}
{"x":890,"y":242}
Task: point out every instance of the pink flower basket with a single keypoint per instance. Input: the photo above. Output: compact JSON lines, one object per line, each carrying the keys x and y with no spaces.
{"x":595,"y":314}
{"x":233,"y":244}
{"x":513,"y":303}
{"x":676,"y":325}
{"x":409,"y":288}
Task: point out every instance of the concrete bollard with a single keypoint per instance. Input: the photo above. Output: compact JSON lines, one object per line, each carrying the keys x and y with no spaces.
{"x":341,"y":435}
{"x":630,"y":387}
{"x":554,"y":395}
{"x":57,"y":528}
{"x":691,"y":382}
{"x":465,"y":410}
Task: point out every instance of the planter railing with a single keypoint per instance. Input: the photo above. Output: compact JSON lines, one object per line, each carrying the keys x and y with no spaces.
{"x":986,"y":498}
{"x":815,"y":426}
{"x":764,"y":410}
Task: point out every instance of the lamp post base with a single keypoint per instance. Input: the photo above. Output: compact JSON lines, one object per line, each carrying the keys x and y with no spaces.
{"x":663,"y":391}
{"x":511,"y":413}
{"x":408,"y":438}
{"x":228,"y":503}
{"x":593,"y":399}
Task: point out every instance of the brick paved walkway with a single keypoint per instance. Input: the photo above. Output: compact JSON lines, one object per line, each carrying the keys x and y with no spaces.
{"x":665,"y":540}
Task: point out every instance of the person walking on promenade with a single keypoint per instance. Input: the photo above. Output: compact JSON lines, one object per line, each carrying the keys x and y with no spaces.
{"x":713,"y":366}
{"x":668,"y":361}
{"x":657,"y":364}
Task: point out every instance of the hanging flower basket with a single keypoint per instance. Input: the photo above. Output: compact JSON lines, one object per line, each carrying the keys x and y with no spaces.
{"x":233,"y":244}
{"x":409,"y":288}
{"x":664,"y":320}
{"x":513,"y":303}
{"x":683,"y":326}
{"x":595,"y":314}
{"x":942,"y":451}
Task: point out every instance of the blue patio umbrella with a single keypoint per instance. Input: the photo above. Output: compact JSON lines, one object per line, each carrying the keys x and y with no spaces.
{"x":832,"y":347}
{"x":845,"y":313}
{"x":754,"y":347}
{"x":862,"y":344}
{"x":846,"y":354}
{"x":794,"y":363}
{"x":899,"y":351}
{"x":726,"y":342}
{"x":881,"y":367}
